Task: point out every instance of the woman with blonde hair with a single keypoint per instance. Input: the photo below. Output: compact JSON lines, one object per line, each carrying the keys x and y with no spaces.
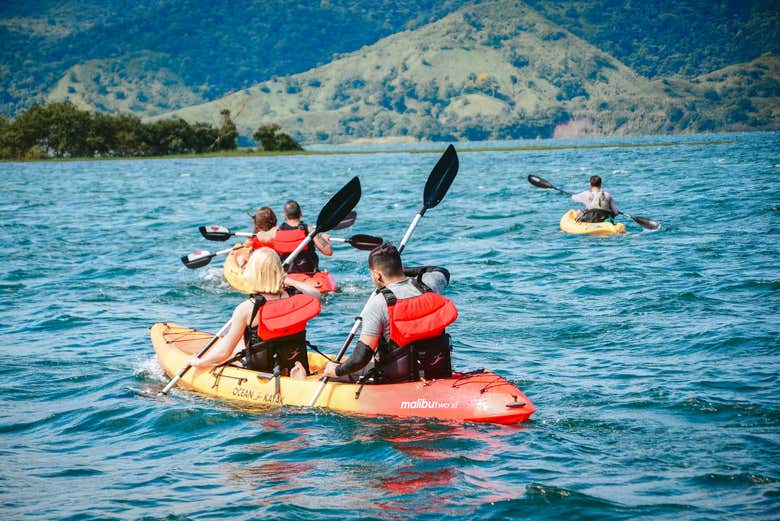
{"x":269,"y":327}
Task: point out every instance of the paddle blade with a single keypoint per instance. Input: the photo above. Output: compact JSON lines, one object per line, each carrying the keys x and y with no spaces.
{"x":197,"y":259}
{"x":440,"y":178}
{"x":539,"y":181}
{"x":647,"y":224}
{"x":365,"y":242}
{"x":339,"y":206}
{"x":347,"y":221}
{"x":215,"y":233}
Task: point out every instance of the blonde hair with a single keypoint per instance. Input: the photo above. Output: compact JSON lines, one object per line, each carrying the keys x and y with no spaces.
{"x":263,"y":272}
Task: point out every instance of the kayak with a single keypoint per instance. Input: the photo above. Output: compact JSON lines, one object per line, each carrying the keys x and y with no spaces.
{"x":569,"y":224}
{"x":322,"y":280}
{"x":477,"y":396}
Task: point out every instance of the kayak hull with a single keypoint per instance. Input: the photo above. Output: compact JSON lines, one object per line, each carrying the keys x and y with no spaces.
{"x":569,"y":224}
{"x":322,"y":280}
{"x":475,"y":397}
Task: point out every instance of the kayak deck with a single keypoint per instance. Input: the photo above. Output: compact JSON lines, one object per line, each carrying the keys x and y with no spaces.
{"x":480,"y":396}
{"x":234,"y":274}
{"x":569,"y":224}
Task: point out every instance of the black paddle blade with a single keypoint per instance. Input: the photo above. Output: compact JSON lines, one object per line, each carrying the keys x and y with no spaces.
{"x":365,"y":242}
{"x":215,"y":233}
{"x":339,"y":206}
{"x":348,"y":221}
{"x":197,"y":259}
{"x":539,"y":181}
{"x":441,"y":178}
{"x":647,"y":224}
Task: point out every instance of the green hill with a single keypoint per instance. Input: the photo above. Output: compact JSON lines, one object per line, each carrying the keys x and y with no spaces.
{"x":195,"y":48}
{"x":494,"y":70}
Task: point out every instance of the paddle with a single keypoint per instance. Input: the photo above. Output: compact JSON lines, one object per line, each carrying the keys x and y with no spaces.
{"x":200,"y":258}
{"x":211,"y":342}
{"x":360,"y":241}
{"x":644,"y":222}
{"x":221,"y":234}
{"x":439,"y":181}
{"x":331,"y":214}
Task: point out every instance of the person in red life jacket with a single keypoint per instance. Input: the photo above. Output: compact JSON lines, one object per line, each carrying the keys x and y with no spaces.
{"x":270,"y":327}
{"x":289,"y":235}
{"x":264,"y":230}
{"x":403,"y":323}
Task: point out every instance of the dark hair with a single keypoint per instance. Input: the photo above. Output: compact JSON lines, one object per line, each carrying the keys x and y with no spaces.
{"x":595,"y":181}
{"x":292,"y":210}
{"x":386,"y":259}
{"x":265,"y":219}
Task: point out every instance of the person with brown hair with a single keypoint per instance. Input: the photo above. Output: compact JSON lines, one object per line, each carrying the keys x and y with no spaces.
{"x":599,"y":205}
{"x":264,"y":230}
{"x":268,"y":330}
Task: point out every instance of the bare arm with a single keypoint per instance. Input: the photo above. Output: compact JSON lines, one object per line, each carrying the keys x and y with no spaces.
{"x":304,"y":288}
{"x":322,"y":242}
{"x":227,"y":344}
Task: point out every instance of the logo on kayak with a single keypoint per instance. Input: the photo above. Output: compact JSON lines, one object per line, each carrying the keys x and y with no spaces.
{"x":422,"y":403}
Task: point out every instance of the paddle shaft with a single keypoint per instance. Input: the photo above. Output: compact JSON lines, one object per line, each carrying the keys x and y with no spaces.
{"x":290,"y":258}
{"x":342,"y":352}
{"x":202,"y":352}
{"x":411,"y":228}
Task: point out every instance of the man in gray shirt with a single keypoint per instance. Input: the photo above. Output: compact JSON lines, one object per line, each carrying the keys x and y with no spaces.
{"x":387,"y":272}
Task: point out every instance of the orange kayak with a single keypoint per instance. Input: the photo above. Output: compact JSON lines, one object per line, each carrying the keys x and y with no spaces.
{"x":322,"y":280}
{"x":478,"y":396}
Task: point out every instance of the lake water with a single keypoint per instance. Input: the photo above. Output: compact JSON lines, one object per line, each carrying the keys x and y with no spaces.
{"x":652,"y":358}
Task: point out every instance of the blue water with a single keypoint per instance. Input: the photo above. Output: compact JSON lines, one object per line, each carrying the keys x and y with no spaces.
{"x":652,"y":357}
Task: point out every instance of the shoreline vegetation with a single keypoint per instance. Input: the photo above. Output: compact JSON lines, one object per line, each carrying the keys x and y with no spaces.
{"x":62,"y":132}
{"x":251,"y":152}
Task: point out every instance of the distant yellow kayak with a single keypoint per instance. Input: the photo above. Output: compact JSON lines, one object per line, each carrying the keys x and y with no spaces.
{"x":569,"y":224}
{"x":234,"y":274}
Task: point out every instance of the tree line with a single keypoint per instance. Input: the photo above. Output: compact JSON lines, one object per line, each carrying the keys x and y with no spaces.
{"x":61,"y":130}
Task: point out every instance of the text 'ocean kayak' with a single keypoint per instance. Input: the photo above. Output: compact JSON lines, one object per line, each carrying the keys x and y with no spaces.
{"x":569,"y":224}
{"x":322,"y":280}
{"x":479,"y":396}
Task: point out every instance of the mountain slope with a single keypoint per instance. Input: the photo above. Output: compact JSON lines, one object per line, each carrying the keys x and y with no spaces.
{"x":496,"y":70}
{"x":206,"y":48}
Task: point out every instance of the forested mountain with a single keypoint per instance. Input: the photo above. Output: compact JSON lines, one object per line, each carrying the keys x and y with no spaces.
{"x":339,"y":69}
{"x":147,"y":56}
{"x":496,"y":70}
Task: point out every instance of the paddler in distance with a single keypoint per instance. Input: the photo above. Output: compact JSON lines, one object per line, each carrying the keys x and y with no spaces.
{"x":265,"y":227}
{"x":269,"y":328}
{"x":289,"y":235}
{"x":403,"y":323}
{"x":286,"y":237}
{"x":599,"y":205}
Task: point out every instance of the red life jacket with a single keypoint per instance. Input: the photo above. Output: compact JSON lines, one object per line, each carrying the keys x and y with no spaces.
{"x":417,"y":337}
{"x":256,"y":244}
{"x":285,"y":241}
{"x":286,"y":316}
{"x":421,"y":317}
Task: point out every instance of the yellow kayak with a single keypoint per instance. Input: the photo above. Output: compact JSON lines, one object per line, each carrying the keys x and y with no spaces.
{"x":234,"y":274}
{"x":478,"y":396}
{"x":569,"y":224}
